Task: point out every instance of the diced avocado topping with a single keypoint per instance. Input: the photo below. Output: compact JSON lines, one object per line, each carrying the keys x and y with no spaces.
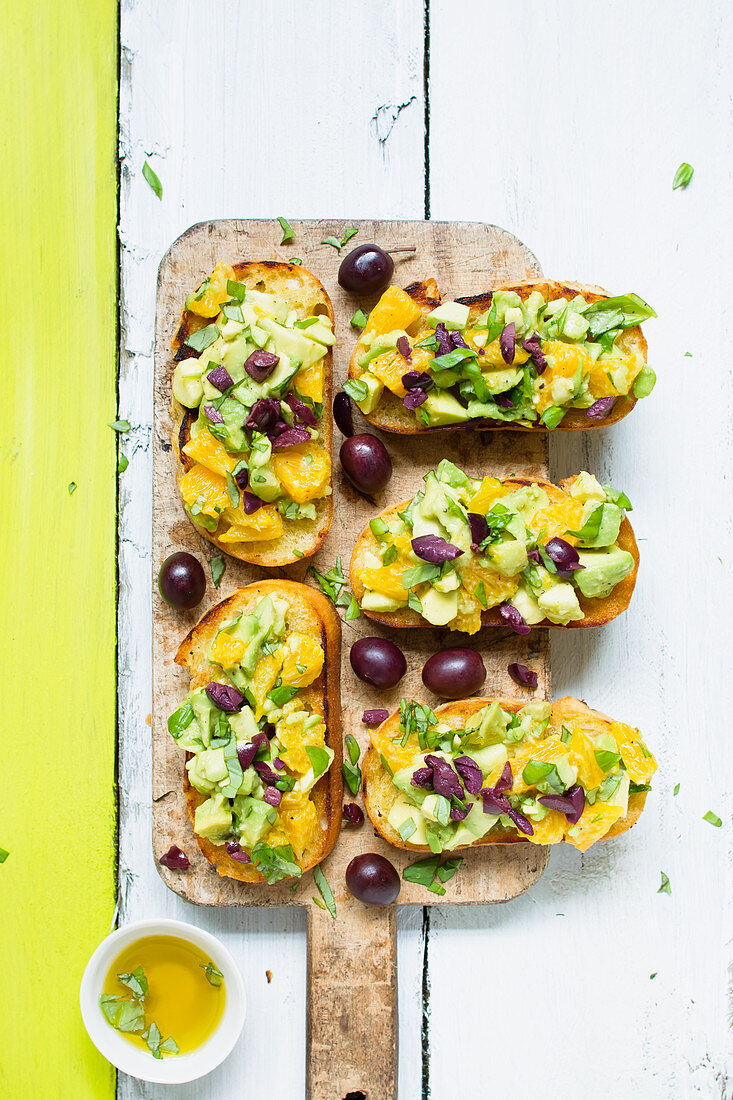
{"x":509,"y":564}
{"x":540,"y":358}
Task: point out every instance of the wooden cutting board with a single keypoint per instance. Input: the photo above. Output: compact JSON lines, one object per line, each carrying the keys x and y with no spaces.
{"x":352,"y":994}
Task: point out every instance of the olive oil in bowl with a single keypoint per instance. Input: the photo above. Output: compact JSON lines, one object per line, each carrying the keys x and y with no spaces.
{"x":164,"y":994}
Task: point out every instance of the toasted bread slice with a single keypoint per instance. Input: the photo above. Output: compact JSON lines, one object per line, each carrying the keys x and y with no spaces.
{"x":391,"y":416}
{"x":306,"y":295}
{"x":310,"y":612}
{"x":597,"y":612}
{"x":380,"y":793}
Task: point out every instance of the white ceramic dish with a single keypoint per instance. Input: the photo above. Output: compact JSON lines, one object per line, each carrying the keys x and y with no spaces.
{"x":174,"y":1069}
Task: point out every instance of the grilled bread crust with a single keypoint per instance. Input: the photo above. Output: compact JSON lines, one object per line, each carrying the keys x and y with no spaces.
{"x":309,"y":612}
{"x":303,"y":291}
{"x":380,"y":794}
{"x":391,"y":416}
{"x":597,"y":612}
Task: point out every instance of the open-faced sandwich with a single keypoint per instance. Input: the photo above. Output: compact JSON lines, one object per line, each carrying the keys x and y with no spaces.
{"x":510,"y":552}
{"x":261,"y":731}
{"x":529,"y":357}
{"x":253,"y":375}
{"x":483,"y":771}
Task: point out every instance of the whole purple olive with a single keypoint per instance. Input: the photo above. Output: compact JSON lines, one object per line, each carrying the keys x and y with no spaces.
{"x":182,"y":581}
{"x":366,"y":269}
{"x":378,"y":662}
{"x":365,"y":461}
{"x":454,"y":673}
{"x":372,"y":879}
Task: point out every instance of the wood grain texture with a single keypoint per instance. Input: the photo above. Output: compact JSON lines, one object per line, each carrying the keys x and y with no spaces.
{"x":57,"y":803}
{"x":358,"y":954}
{"x":619,"y":95}
{"x":199,"y":98}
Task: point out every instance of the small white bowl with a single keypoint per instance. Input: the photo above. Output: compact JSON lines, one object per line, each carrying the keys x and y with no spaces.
{"x":171,"y":1070}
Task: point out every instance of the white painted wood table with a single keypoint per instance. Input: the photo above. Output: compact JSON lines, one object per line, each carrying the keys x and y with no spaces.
{"x":563,"y":122}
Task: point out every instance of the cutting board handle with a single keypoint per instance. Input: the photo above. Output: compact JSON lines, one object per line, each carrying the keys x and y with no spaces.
{"x":351,"y":1049}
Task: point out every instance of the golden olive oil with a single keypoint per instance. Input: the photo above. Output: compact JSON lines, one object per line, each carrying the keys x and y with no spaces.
{"x":181,"y":1000}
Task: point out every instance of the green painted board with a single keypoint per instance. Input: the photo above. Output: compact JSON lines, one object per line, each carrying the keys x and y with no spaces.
{"x":58,"y":73}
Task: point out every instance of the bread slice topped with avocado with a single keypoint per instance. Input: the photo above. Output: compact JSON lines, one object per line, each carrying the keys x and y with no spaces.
{"x":533,"y":356}
{"x":496,"y":771}
{"x":252,"y":378}
{"x":260,"y":727}
{"x":508,"y":552}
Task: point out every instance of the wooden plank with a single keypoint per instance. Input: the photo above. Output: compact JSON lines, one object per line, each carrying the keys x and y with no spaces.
{"x":356,"y":954}
{"x":579,"y":162}
{"x":228,"y":102}
{"x":58,"y":203}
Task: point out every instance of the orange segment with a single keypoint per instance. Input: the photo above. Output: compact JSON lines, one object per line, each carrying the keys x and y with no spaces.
{"x":295,"y":739}
{"x":396,"y":756}
{"x":562,"y":514}
{"x":303,"y":660}
{"x":207,"y":300}
{"x":309,"y":382}
{"x":550,"y":830}
{"x":263,"y":681}
{"x":200,"y":483}
{"x":298,"y":820}
{"x":496,"y":588}
{"x":563,"y":361}
{"x":226,"y":650}
{"x":594,"y":824}
{"x":489,"y":490}
{"x":582,"y":756}
{"x":209,"y":452}
{"x":394,"y":310}
{"x":304,"y":471}
{"x":387,"y":579}
{"x":638,"y":761}
{"x":265,"y":523}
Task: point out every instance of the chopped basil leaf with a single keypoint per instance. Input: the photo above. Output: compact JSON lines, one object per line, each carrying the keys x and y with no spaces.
{"x":4,"y":853}
{"x":712,"y":819}
{"x":480,"y":594}
{"x":407,"y":828}
{"x":122,"y":464}
{"x":233,"y":312}
{"x":233,"y":490}
{"x":390,"y":555}
{"x":136,"y":981}
{"x":295,"y":260}
{"x":591,"y":527}
{"x":218,"y":568}
{"x":606,"y":759}
{"x":333,"y":241}
{"x":682,"y":176}
{"x":122,"y":1013}
{"x":676,"y":789}
{"x":318,"y":902}
{"x":213,"y":976}
{"x":288,"y":234}
{"x":120,"y":425}
{"x":359,"y":319}
{"x":152,"y":180}
{"x":665,"y":888}
{"x":436,"y":888}
{"x":447,"y":870}
{"x":623,"y":311}
{"x":356,"y":389}
{"x":203,"y":338}
{"x":414,"y":603}
{"x":298,"y":553}
{"x":378,"y":528}
{"x":423,"y":872}
{"x":348,"y":235}
{"x":551,"y":417}
{"x":352,"y":746}
{"x":319,"y":758}
{"x":236,"y":290}
{"x":353,"y":611}
{"x":565,"y":735}
{"x":385,"y":765}
{"x":72,"y":487}
{"x":275,"y":863}
{"x":282,"y":694}
{"x":352,"y":776}
{"x":170,"y":1046}
{"x":615,"y":496}
{"x":180,"y":720}
{"x":325,"y":890}
{"x":306,"y":323}
{"x":638,"y":788}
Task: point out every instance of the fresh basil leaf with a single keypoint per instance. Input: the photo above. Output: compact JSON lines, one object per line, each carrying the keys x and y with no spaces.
{"x":359,"y":319}
{"x":120,"y":426}
{"x":551,"y":417}
{"x":318,"y":902}
{"x":72,"y":488}
{"x":639,"y":788}
{"x":348,"y":235}
{"x":333,"y":241}
{"x":170,"y":1046}
{"x":390,"y":555}
{"x":417,"y":574}
{"x":325,"y":890}
{"x":449,"y":867}
{"x":233,"y":490}
{"x":218,"y":568}
{"x":352,"y":776}
{"x":353,"y":611}
{"x":644,"y":383}
{"x":319,"y":758}
{"x":480,"y":594}
{"x":4,"y":853}
{"x":565,"y":735}
{"x":682,"y":176}
{"x":352,"y":746}
{"x":233,"y":312}
{"x":436,"y":888}
{"x":306,"y":323}
{"x":591,"y":527}
{"x":122,"y":1013}
{"x":236,"y":290}
{"x":385,"y":765}
{"x":180,"y":720}
{"x":213,"y":976}
{"x":414,"y":603}
{"x":604,"y":315}
{"x":665,"y":888}
{"x":712,"y":819}
{"x":153,"y":1038}
{"x":535,"y":771}
{"x":122,"y":464}
{"x":288,"y":234}
{"x":423,"y":872}
{"x":275,"y":863}
{"x":282,"y":694}
{"x":152,"y":180}
{"x":452,"y":359}
{"x":203,"y":338}
{"x":676,"y":789}
{"x":136,"y":982}
{"x":615,"y":496}
{"x":606,"y":759}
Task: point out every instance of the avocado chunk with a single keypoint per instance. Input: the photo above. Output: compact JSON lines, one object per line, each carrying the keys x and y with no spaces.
{"x":321,"y":333}
{"x":602,"y":570}
{"x":527,"y":606}
{"x":402,"y":811}
{"x":443,"y":408}
{"x":488,"y":726}
{"x":586,"y":487}
{"x":439,"y":513}
{"x":453,"y":315}
{"x":264,"y":483}
{"x":206,"y":714}
{"x":252,"y":819}
{"x":611,"y":516}
{"x":188,"y":388}
{"x":509,"y":557}
{"x":292,"y":342}
{"x":560,"y":604}
{"x":206,"y":769}
{"x":243,"y":724}
{"x":213,"y":819}
{"x":439,"y":607}
{"x":375,"y":388}
{"x":375,"y":601}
